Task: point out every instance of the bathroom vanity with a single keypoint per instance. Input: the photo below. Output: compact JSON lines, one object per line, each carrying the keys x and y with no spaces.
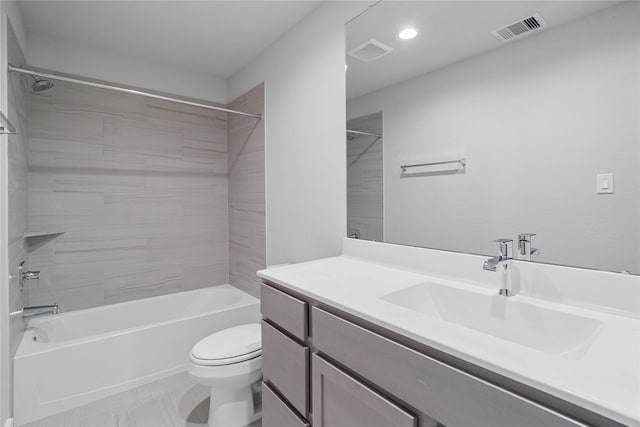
{"x":387,"y":335}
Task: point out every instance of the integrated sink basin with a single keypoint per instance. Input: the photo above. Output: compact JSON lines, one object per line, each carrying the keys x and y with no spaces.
{"x":510,"y":319}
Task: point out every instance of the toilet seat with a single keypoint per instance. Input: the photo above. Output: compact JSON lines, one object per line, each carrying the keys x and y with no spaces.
{"x":229,"y":346}
{"x":227,"y":361}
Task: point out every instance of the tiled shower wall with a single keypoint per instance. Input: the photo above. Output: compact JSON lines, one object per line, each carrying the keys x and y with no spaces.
{"x":137,"y":191}
{"x":364,"y":179}
{"x":17,"y":160}
{"x":247,"y":244}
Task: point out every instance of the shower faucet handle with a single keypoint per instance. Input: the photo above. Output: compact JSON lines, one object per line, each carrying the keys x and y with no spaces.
{"x":26,"y":275}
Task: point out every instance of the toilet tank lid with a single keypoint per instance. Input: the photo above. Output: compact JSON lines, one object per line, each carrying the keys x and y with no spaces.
{"x":229,"y":343}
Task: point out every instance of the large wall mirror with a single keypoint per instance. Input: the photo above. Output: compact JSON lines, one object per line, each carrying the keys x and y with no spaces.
{"x":498,"y":118}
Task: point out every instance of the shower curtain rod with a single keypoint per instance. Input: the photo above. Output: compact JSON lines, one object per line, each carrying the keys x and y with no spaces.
{"x":357,"y":132}
{"x":105,"y":85}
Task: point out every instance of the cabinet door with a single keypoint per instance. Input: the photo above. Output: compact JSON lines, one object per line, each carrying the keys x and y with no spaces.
{"x":285,"y":365}
{"x":276,"y":413}
{"x":340,"y":400}
{"x":286,"y":311}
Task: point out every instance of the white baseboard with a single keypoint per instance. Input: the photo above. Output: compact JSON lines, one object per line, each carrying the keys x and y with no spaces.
{"x":9,"y":422}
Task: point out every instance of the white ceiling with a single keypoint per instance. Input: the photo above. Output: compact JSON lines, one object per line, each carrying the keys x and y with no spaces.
{"x":216,"y":37}
{"x":450,"y":31}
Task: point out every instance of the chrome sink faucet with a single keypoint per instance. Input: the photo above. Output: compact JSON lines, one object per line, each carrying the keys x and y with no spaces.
{"x":502,"y":263}
{"x":506,"y":254}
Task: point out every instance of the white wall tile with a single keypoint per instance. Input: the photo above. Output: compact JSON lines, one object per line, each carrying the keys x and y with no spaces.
{"x":17,"y":197}
{"x":80,"y":127}
{"x":41,"y":171}
{"x":131,"y":136}
{"x":98,"y":175}
{"x":142,"y":208}
{"x":186,"y":114}
{"x":142,"y":280}
{"x":65,"y":203}
{"x":17,"y":215}
{"x":73,"y":97}
{"x":246,"y":193}
{"x":139,"y":189}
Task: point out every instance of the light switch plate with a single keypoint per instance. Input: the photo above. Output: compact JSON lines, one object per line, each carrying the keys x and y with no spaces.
{"x":604,"y":183}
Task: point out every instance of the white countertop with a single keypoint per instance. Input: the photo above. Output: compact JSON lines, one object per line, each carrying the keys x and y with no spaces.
{"x":605,"y":379}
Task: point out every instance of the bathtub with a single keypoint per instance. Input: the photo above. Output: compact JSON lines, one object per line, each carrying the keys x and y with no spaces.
{"x":74,"y":358}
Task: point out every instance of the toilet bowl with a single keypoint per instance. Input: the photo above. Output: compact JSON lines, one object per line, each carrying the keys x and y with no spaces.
{"x":229,"y":361}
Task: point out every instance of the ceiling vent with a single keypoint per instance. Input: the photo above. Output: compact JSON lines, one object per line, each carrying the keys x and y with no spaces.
{"x":370,"y":50}
{"x":520,"y":28}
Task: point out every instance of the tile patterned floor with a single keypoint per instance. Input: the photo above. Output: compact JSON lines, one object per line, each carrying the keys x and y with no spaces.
{"x":176,"y":401}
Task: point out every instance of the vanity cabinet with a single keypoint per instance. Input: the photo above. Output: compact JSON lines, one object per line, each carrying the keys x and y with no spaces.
{"x":452,"y":397}
{"x":349,"y":373}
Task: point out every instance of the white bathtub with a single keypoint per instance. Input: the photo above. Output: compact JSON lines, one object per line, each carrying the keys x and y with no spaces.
{"x":74,"y":358}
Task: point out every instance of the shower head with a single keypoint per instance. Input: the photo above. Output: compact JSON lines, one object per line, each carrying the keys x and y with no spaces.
{"x":39,"y":84}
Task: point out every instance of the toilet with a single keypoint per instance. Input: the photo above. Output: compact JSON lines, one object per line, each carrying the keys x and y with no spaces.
{"x":229,"y":361}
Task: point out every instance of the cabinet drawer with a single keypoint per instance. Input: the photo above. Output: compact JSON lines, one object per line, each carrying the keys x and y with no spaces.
{"x":449,"y":395}
{"x":288,"y":312}
{"x":340,"y":400}
{"x":276,"y":413}
{"x":285,"y":366}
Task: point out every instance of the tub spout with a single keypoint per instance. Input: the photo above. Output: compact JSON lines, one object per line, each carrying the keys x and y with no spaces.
{"x":38,"y":310}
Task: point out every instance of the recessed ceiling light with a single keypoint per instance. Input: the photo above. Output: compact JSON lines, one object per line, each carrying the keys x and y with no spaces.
{"x":407,"y":33}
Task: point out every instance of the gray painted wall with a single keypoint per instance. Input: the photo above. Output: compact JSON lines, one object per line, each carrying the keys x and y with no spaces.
{"x":303,"y":72}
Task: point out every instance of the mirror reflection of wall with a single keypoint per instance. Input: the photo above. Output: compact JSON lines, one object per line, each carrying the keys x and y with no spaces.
{"x":538,"y":118}
{"x":364,"y":177}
